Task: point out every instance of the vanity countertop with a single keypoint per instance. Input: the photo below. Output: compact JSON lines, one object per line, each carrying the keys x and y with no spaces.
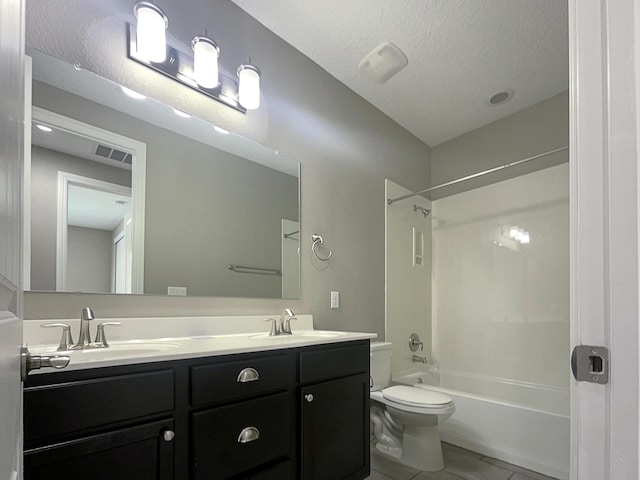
{"x":143,"y":340}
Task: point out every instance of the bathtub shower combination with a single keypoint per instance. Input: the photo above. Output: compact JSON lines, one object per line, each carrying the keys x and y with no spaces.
{"x":496,"y":328}
{"x":531,"y":429}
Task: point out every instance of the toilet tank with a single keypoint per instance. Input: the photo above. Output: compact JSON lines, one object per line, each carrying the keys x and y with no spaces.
{"x":380,"y":364}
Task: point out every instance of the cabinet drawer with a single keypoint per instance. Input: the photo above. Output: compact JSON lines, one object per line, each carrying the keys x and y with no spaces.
{"x":238,"y":378}
{"x":326,"y":363}
{"x":135,"y":453}
{"x":219,"y":453}
{"x":65,"y":408}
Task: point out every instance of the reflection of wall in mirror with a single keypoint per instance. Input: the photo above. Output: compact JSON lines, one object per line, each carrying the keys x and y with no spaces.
{"x":205,"y":209}
{"x":45,"y":165}
{"x":89,"y":259}
{"x":290,"y":259}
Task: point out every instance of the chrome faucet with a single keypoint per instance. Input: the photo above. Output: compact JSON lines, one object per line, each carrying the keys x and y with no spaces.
{"x":84,"y":337}
{"x":419,"y":359}
{"x":282,"y":326}
{"x":285,"y":321}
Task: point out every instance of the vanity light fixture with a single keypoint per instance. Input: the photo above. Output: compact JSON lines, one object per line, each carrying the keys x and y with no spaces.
{"x":249,"y":86}
{"x":205,"y":62}
{"x":151,"y":35}
{"x":198,"y":70}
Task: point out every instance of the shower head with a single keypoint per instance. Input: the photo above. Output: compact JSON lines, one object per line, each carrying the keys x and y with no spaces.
{"x":422,"y":210}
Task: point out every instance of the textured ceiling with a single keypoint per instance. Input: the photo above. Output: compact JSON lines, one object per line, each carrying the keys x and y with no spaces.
{"x":460,"y":53}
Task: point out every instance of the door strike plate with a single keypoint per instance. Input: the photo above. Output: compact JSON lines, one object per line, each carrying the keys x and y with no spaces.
{"x":590,"y":363}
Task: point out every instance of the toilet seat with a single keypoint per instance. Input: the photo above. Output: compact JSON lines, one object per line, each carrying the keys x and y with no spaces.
{"x":409,"y":401}
{"x":414,"y":396}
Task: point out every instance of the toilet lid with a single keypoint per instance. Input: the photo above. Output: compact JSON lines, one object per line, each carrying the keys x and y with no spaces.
{"x":414,"y":396}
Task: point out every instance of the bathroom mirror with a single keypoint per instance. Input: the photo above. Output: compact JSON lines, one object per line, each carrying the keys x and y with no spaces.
{"x":129,"y":195}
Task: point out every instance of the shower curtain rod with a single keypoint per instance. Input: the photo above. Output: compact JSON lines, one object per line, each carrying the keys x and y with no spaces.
{"x":475,"y":175}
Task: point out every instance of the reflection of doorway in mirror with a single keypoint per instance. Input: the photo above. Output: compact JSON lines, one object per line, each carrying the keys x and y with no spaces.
{"x":290,"y":259}
{"x":67,"y":144}
{"x":91,"y":214}
{"x":121,"y":258}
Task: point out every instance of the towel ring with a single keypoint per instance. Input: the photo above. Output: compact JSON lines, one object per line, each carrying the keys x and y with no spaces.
{"x":318,"y":240}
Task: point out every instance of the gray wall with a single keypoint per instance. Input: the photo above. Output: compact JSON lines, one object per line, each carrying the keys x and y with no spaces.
{"x":205,"y":208}
{"x":89,"y":259}
{"x":534,"y":130}
{"x":45,"y":165}
{"x":346,"y":146}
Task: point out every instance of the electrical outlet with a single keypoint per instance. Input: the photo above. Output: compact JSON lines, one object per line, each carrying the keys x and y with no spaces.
{"x":335,"y":299}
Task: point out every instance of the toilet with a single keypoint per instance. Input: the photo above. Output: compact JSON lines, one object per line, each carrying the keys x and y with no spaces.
{"x":405,"y":418}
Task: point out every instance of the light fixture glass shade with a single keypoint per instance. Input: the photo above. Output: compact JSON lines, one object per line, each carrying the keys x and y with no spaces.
{"x":205,"y":62}
{"x":249,"y":86}
{"x":151,"y":36}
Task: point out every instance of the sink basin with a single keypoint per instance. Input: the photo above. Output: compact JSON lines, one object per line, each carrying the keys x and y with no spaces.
{"x":300,"y":335}
{"x":115,"y":349}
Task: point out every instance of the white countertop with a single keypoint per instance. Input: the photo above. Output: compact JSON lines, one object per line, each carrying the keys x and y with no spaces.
{"x":144,"y":340}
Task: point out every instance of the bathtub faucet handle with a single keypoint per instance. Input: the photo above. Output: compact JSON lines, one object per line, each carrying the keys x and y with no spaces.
{"x":415,"y":342}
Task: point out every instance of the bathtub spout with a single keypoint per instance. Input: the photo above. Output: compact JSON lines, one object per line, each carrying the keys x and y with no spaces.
{"x":419,"y":359}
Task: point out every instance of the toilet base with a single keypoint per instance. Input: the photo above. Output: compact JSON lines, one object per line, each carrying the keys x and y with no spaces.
{"x":421,"y":448}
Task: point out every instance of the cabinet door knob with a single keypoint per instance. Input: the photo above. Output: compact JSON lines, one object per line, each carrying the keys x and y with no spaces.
{"x":248,"y":375}
{"x":309,"y":397}
{"x":248,"y":434}
{"x":168,"y":435}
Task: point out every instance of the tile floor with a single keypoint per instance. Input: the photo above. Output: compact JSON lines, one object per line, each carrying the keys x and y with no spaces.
{"x":460,"y":464}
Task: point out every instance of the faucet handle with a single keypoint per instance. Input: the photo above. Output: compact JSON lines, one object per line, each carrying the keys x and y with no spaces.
{"x":65,"y":340}
{"x":415,"y":342}
{"x":275,"y":327}
{"x":286,"y":325}
{"x":101,"y":339}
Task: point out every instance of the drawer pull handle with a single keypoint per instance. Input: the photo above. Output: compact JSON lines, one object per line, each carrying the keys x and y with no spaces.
{"x":168,"y":435}
{"x":248,"y":375}
{"x":248,"y":434}
{"x":309,"y":397}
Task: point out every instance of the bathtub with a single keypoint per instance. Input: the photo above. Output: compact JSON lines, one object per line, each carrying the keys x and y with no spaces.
{"x":520,"y":423}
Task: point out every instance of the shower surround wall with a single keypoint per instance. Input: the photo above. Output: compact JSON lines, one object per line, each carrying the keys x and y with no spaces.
{"x":408,"y":285}
{"x":501,"y":308}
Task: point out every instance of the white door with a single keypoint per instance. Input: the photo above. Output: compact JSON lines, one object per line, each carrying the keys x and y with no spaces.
{"x":605,"y":61}
{"x":11,"y":151}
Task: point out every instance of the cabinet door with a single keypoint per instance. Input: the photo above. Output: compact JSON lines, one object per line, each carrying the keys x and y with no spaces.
{"x":144,"y":452}
{"x":335,"y":429}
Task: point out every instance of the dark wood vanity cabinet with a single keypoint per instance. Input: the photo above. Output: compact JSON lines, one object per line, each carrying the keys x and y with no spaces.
{"x":334,"y":413}
{"x":287,"y":414}
{"x":101,"y":424}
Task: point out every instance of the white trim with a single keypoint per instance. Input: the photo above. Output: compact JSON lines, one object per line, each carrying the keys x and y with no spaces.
{"x":138,"y":181}
{"x":588,"y":423}
{"x":604,"y":234}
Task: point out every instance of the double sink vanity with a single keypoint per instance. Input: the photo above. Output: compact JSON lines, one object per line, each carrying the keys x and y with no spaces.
{"x":200,"y":398}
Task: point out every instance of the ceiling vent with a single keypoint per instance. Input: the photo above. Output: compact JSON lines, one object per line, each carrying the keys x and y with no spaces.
{"x":382,"y":63}
{"x":113,"y":154}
